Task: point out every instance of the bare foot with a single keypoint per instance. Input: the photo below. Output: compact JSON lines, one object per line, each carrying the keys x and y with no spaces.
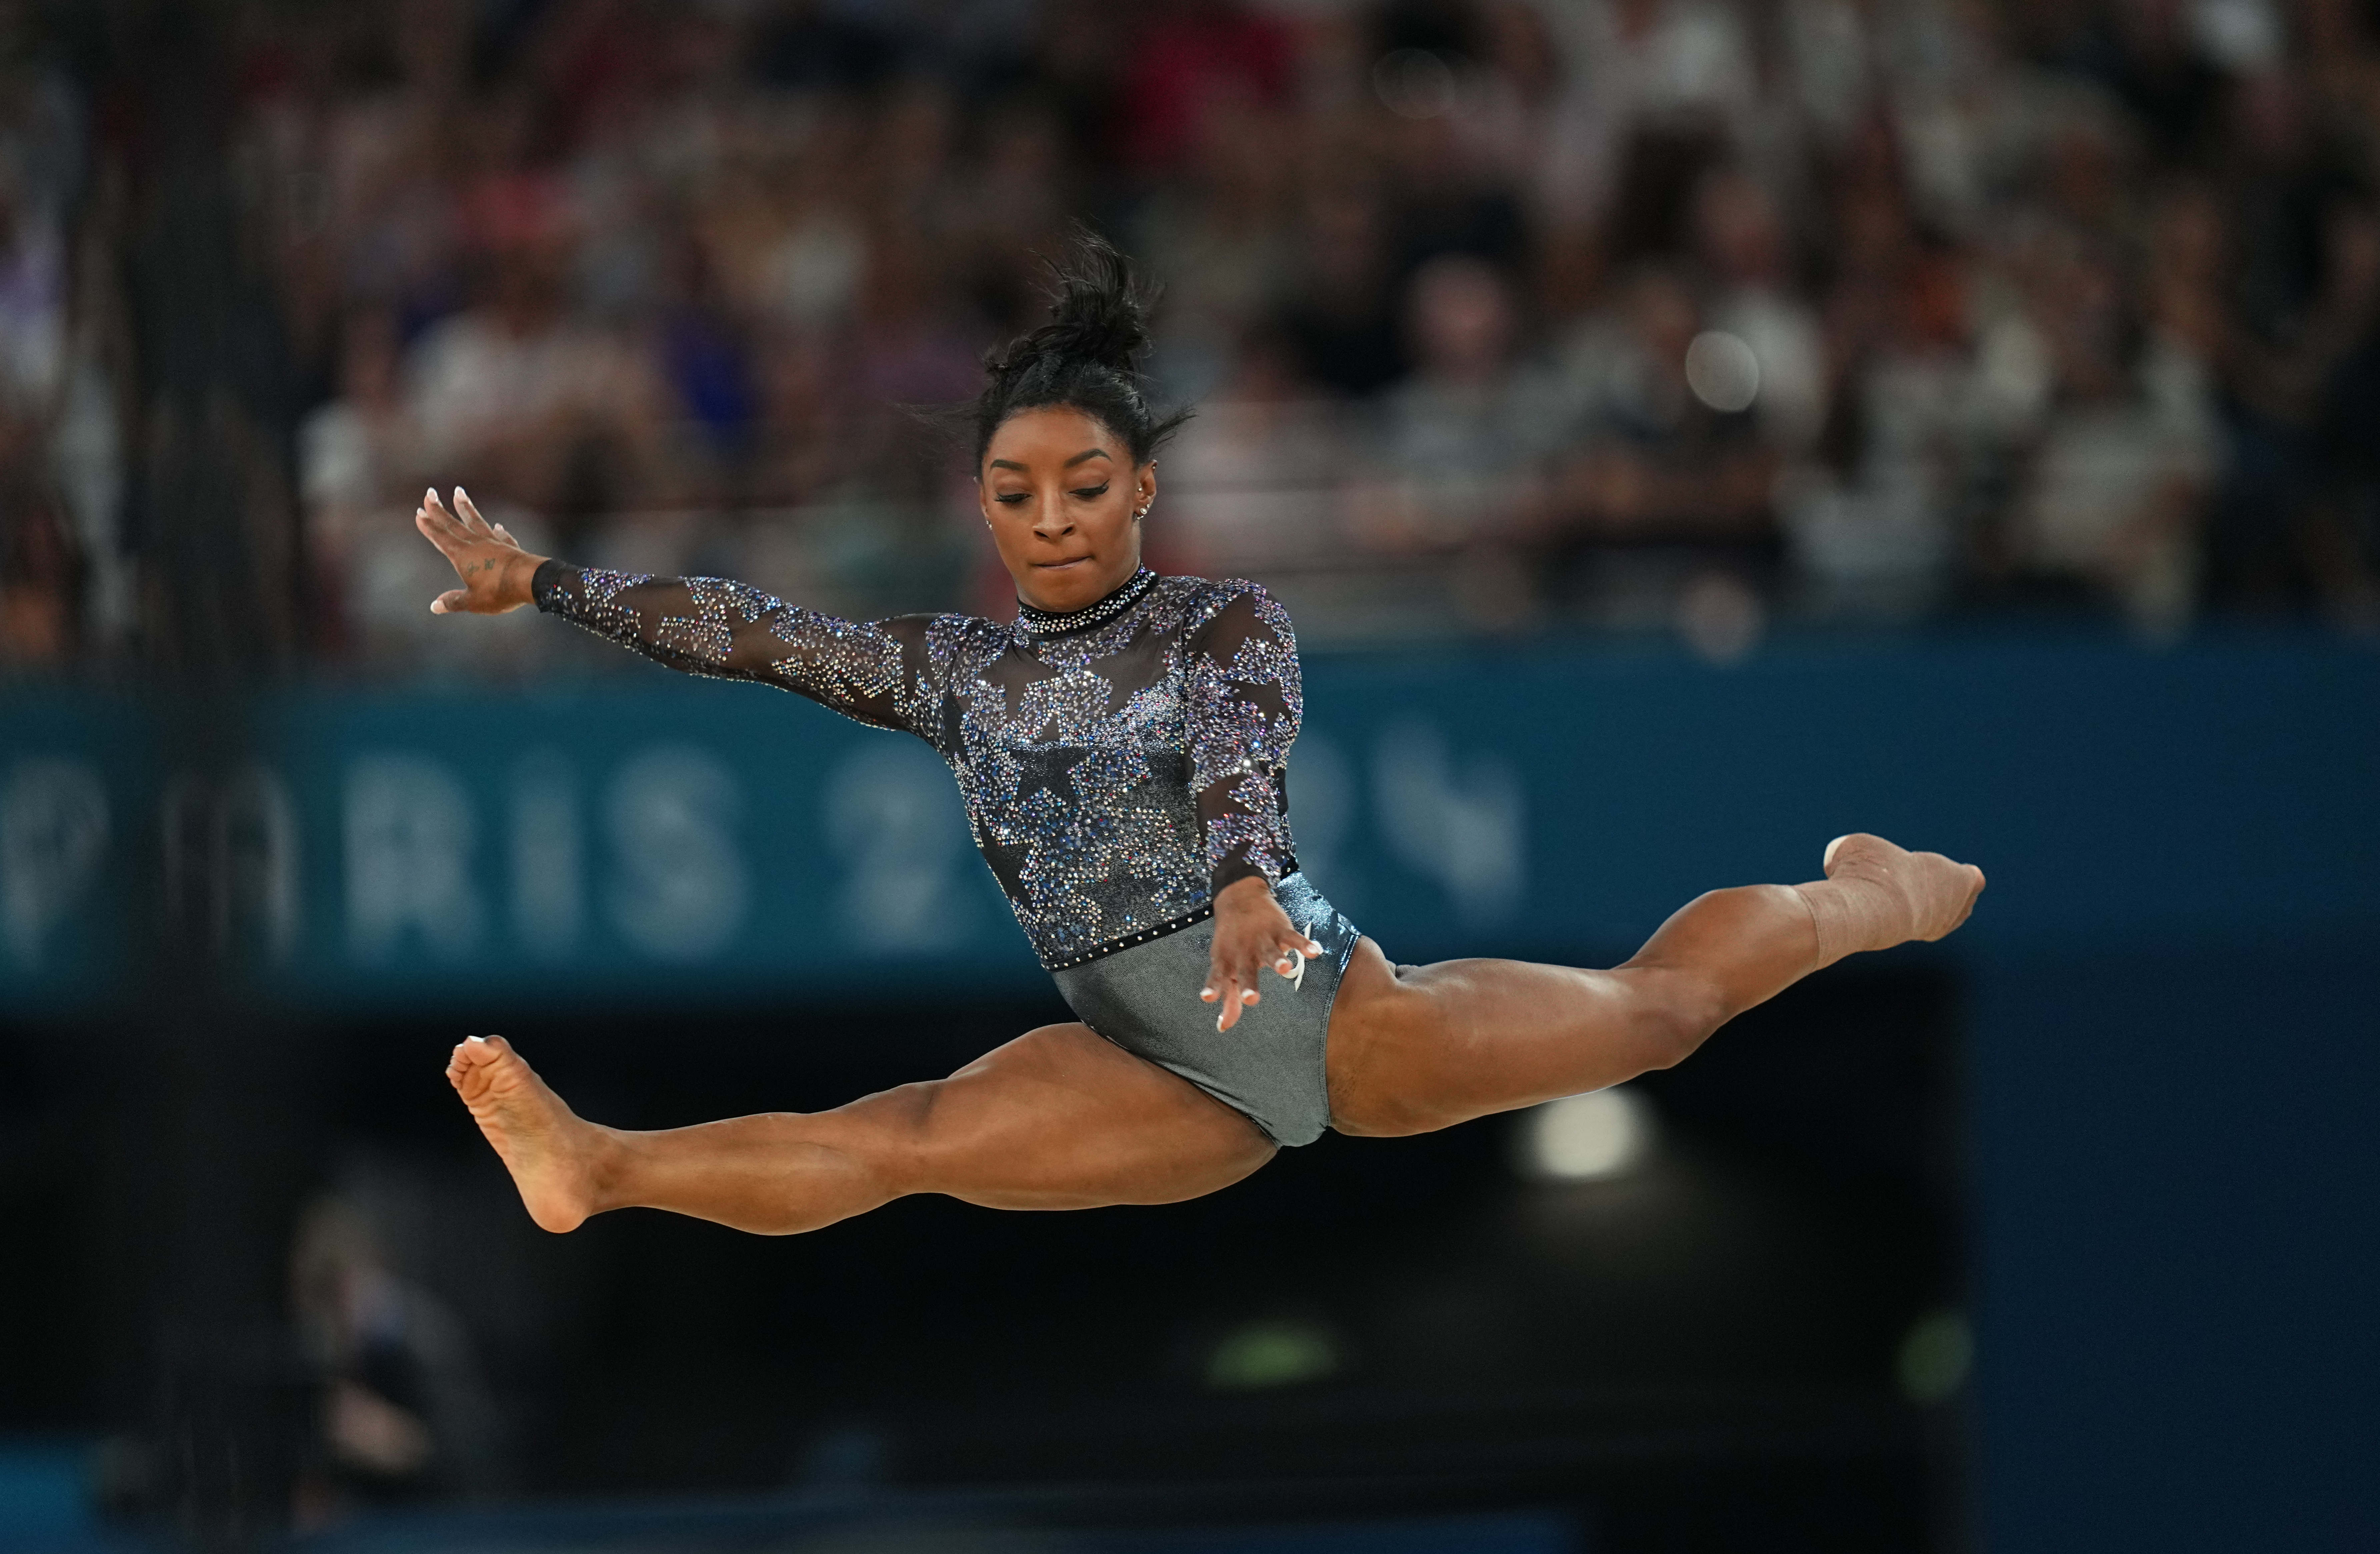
{"x":549,"y":1149}
{"x":1887,"y":896}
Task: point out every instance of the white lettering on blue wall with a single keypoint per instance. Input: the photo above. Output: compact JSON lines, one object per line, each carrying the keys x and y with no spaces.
{"x":409,"y":834}
{"x":54,"y":826}
{"x":681,"y":891}
{"x":1464,"y":830}
{"x":549,"y":888}
{"x":893,"y":821}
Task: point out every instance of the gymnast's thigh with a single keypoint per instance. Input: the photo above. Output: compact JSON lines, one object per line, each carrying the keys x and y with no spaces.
{"x":1062,"y":1118}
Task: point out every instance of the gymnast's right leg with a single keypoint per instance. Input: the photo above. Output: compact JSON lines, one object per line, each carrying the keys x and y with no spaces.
{"x":1056,"y":1119}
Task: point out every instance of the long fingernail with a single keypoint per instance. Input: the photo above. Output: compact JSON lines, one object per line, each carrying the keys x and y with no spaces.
{"x":1206,"y":992}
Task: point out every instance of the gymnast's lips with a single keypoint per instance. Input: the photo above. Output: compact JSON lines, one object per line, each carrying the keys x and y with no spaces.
{"x":1056,"y":565}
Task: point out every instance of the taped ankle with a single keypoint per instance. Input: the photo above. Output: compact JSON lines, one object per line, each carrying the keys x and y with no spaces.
{"x":1853,"y":915}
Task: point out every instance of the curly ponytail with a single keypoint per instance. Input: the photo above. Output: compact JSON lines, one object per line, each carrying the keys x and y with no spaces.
{"x":1087,"y":358}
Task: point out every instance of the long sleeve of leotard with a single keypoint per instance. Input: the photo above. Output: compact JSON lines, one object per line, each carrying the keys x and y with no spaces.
{"x":1244,"y":702}
{"x":871,"y":670}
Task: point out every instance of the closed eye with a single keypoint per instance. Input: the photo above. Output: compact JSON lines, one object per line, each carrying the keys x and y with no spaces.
{"x":1092,"y":494}
{"x":1011,"y":499}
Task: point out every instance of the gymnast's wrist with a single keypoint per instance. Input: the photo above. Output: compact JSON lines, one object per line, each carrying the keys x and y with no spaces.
{"x":1242,"y":893}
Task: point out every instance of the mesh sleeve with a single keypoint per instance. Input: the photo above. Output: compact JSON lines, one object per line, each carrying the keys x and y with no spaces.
{"x":1244,"y":703}
{"x":871,"y":670}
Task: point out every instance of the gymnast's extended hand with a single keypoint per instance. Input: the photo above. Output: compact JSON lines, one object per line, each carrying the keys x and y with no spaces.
{"x":1251,"y":930}
{"x":495,"y":570}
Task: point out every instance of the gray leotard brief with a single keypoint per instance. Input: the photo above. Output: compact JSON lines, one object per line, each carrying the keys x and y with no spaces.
{"x":1268,"y":1066}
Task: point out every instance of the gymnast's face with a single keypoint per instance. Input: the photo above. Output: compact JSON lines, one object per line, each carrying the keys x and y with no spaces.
{"x":1060,"y":492}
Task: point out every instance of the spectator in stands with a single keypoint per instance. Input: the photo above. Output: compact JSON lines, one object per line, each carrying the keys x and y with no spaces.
{"x":402,"y":1411}
{"x":624,"y":258}
{"x":1463,"y":439}
{"x":1660,"y":462}
{"x":1253,"y":482}
{"x":1340,"y":316}
{"x":2112,"y":494}
{"x":41,"y":565}
{"x":530,"y":398}
{"x":1747,"y":254}
{"x":357,"y":455}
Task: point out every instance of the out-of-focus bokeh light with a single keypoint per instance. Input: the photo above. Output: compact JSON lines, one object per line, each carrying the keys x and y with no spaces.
{"x":1275,"y":1351}
{"x":1594,"y":1137}
{"x":1415,"y":83}
{"x":1722,"y":371}
{"x":1935,"y":1356}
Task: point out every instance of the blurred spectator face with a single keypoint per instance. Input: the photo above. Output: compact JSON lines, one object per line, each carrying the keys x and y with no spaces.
{"x":1522,"y":51}
{"x":1662,"y":318}
{"x":1346,"y":248}
{"x":2076,"y":298}
{"x":913,"y":139}
{"x":38,"y":565}
{"x":1460,"y":316}
{"x":433,"y":40}
{"x":369,"y":359}
{"x":1743,"y":240}
{"x":2268,"y":118}
{"x":2085,"y":171}
{"x":2188,"y":233}
{"x":2353,"y":262}
{"x":528,"y":285}
{"x":2155,"y":33}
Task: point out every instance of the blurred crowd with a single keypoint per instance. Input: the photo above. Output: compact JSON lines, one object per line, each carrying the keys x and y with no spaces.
{"x":1498,"y":315}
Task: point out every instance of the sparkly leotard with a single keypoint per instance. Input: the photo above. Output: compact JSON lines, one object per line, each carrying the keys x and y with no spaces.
{"x":1120,"y":764}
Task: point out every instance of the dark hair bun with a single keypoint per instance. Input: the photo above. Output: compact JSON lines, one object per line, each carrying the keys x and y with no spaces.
{"x":1087,"y":357}
{"x":1097,"y":314}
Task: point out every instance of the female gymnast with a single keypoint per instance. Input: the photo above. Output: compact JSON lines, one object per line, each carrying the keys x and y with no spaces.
{"x":1122,"y":747}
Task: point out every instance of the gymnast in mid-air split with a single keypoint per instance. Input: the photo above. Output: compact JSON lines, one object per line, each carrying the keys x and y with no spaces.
{"x":1122,"y":747}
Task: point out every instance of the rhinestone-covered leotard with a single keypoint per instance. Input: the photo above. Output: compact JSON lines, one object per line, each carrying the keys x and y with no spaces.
{"x":1120,"y":764}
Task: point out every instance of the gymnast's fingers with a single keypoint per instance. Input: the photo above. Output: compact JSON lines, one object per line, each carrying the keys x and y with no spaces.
{"x":439,"y":530}
{"x":1292,"y":951}
{"x":442,"y":517}
{"x":468,"y":511}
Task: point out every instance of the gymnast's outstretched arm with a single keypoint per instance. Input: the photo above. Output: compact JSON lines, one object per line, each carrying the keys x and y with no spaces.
{"x":871,"y":670}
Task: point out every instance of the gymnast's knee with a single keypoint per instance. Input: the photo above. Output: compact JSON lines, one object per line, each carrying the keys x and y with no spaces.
{"x":885,"y":1144}
{"x":1671,"y":1013}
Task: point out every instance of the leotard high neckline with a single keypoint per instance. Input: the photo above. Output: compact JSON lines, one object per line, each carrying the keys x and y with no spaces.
{"x":1038,"y":621}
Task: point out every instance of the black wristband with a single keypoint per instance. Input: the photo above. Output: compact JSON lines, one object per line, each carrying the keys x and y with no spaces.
{"x":545,"y":580}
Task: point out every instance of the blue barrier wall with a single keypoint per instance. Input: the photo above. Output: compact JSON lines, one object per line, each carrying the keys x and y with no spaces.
{"x":682,"y":840}
{"x":2173,"y":1054}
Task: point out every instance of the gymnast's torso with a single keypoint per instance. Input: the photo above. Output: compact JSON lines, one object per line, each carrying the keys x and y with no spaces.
{"x":1120,"y":763}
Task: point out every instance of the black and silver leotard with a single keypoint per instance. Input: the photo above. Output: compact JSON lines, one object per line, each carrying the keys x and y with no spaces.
{"x":1120,"y":764}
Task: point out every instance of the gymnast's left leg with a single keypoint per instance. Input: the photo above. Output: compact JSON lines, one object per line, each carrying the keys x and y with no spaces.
{"x":1058,"y":1118}
{"x":1442,"y":1044}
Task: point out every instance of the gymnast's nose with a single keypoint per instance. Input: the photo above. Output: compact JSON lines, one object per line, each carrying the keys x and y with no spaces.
{"x":1051,"y":521}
